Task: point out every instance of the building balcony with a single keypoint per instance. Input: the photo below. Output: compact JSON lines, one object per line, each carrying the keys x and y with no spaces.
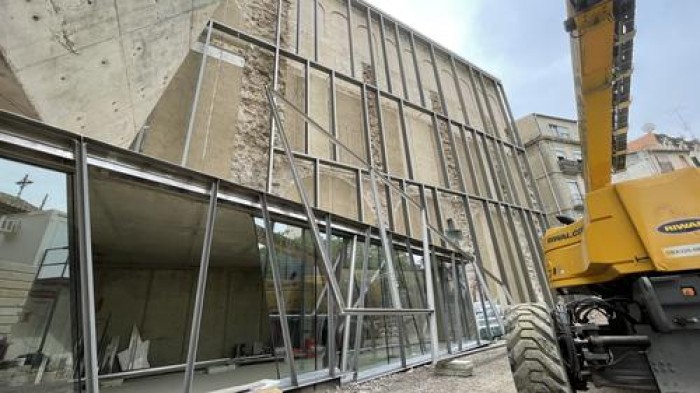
{"x":570,"y":167}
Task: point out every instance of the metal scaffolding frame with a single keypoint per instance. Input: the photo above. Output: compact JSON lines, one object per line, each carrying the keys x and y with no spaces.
{"x":29,"y":141}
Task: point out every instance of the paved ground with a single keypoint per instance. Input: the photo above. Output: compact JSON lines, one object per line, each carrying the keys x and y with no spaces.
{"x":491,"y":375}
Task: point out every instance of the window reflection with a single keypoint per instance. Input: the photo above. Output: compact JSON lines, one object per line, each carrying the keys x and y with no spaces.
{"x":37,"y":321}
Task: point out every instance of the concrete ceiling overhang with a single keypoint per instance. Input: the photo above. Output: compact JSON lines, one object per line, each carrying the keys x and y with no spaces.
{"x":95,"y":67}
{"x":134,"y":224}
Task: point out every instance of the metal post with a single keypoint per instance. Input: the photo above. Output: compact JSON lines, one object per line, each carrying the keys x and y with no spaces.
{"x":311,"y":216}
{"x":417,"y":67}
{"x":458,"y":312}
{"x":195,"y":101}
{"x":275,"y":84}
{"x":87,"y":282}
{"x":334,"y":117}
{"x":429,"y":291}
{"x":351,"y":287}
{"x":399,"y":53}
{"x":361,"y":301}
{"x":352,"y":48}
{"x":371,"y":48}
{"x":315,"y":30}
{"x":330,"y":304}
{"x":393,"y":284}
{"x":387,"y":70}
{"x":277,"y":282}
{"x":201,"y":287}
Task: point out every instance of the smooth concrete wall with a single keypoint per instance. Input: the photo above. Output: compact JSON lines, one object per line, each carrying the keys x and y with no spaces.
{"x":96,"y":67}
{"x":159,"y":300}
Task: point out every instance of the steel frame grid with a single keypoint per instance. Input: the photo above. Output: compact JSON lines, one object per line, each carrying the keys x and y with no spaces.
{"x":125,"y":163}
{"x":388,"y":257}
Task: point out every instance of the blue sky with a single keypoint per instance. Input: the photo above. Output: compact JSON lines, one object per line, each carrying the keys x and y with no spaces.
{"x":524,"y":44}
{"x":45,"y":182}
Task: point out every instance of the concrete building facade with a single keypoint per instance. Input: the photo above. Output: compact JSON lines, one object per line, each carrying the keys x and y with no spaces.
{"x":195,"y":258}
{"x":654,"y":153}
{"x":554,"y":150}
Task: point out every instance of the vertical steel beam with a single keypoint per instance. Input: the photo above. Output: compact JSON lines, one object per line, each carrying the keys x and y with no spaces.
{"x":313,"y":224}
{"x":438,"y":84}
{"x":498,"y":193}
{"x":470,"y":159}
{"x":499,"y":258}
{"x":537,"y":258}
{"x":348,"y":300}
{"x":458,"y":88}
{"x":279,"y":291}
{"x":352,"y":47}
{"x":360,"y":195}
{"x":317,"y":188}
{"x":366,"y":125}
{"x":361,"y":301}
{"x":393,"y":283}
{"x":275,"y":85}
{"x":459,"y":333}
{"x":399,"y":53}
{"x":441,"y":153}
{"x":334,"y":117}
{"x":201,"y":287}
{"x":298,"y":26}
{"x":87,"y":281}
{"x":406,"y":141}
{"x":307,"y":103}
{"x":373,"y":61}
{"x":406,"y":212}
{"x":513,"y":265}
{"x":387,"y":70}
{"x":382,"y":136}
{"x":195,"y":100}
{"x":316,"y":30}
{"x":417,"y":67}
{"x":429,"y":291}
{"x":532,"y":297}
{"x":330,"y":304}
{"x":458,"y":165}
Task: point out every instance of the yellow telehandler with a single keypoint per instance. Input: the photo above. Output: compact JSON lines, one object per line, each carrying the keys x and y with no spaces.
{"x":627,"y":274}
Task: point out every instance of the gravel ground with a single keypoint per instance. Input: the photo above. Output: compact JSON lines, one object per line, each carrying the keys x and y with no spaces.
{"x":491,"y":375}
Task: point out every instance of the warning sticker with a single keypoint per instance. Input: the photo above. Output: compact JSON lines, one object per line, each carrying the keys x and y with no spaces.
{"x":688,"y":250}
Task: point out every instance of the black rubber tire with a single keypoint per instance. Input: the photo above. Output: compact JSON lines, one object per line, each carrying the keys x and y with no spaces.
{"x":533,"y":350}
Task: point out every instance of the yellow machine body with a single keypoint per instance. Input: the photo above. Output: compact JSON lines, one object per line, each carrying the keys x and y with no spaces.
{"x":639,"y":226}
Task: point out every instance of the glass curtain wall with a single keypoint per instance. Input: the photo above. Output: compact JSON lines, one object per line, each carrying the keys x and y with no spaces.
{"x":40,"y":348}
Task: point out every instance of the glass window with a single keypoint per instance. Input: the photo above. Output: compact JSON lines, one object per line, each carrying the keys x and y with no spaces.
{"x":147,"y":244}
{"x":575,"y":192}
{"x":240,"y":339}
{"x":560,"y":131}
{"x":38,"y":329}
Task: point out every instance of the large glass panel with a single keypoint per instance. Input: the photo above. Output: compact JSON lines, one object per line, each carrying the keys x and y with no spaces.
{"x":379,"y":334}
{"x":147,"y":243}
{"x":240,"y":338}
{"x":39,"y":325}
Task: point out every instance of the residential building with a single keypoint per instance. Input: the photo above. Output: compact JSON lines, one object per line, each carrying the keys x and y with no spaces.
{"x":553,"y":148}
{"x":217,"y":236}
{"x":654,"y":153}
